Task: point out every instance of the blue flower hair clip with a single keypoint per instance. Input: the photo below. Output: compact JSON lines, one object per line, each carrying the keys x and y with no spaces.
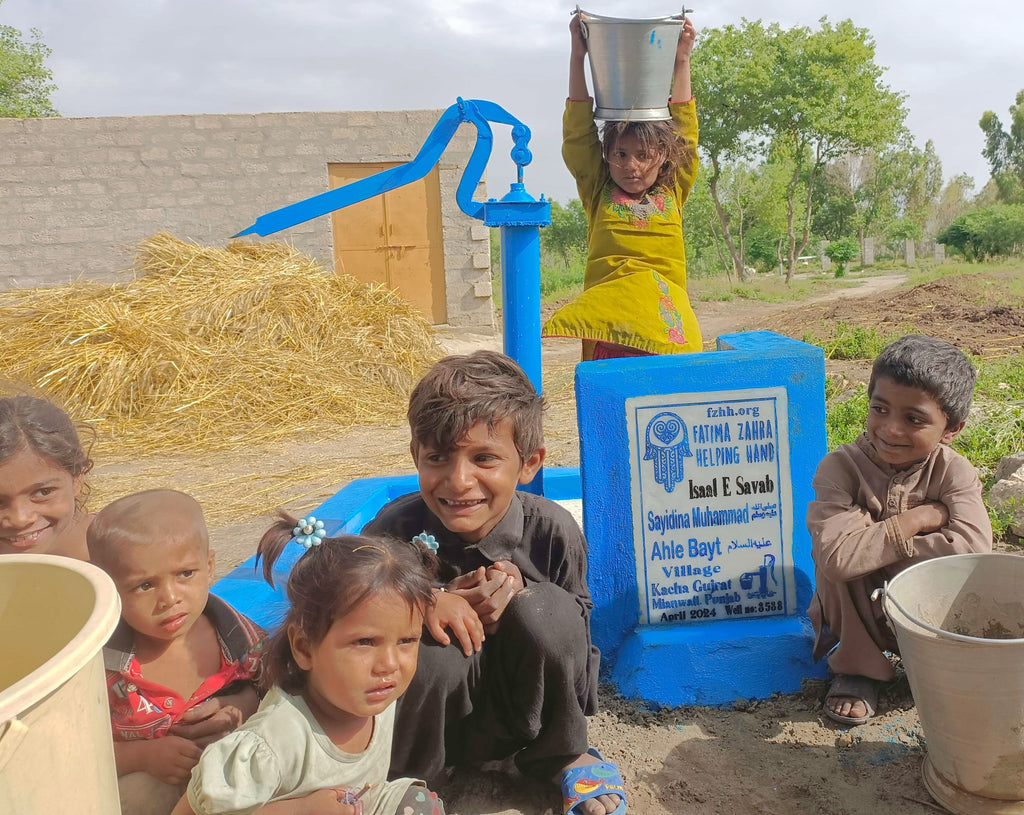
{"x":426,"y":540}
{"x":309,"y":532}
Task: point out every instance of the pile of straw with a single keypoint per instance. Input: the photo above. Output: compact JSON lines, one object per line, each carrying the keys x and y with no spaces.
{"x":211,"y":348}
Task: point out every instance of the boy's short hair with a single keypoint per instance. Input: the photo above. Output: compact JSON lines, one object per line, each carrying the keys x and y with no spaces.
{"x":137,"y":518}
{"x":485,"y":386}
{"x":935,"y":366}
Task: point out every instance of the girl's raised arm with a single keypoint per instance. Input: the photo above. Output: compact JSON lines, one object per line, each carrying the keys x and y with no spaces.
{"x":682,"y":90}
{"x":578,"y":90}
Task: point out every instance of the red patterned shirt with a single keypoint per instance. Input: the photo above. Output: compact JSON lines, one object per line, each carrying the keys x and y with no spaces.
{"x":140,"y":709}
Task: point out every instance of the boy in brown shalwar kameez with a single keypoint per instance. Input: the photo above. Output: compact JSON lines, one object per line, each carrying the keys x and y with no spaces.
{"x":894,"y":497}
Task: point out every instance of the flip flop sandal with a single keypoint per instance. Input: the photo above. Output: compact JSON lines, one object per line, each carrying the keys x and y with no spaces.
{"x":583,"y":783}
{"x":855,"y":687}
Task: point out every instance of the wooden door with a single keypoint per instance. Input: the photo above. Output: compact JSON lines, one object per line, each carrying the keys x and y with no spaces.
{"x":395,"y":238}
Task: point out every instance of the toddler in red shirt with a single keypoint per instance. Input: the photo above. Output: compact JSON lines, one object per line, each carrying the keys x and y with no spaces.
{"x":182,"y":665}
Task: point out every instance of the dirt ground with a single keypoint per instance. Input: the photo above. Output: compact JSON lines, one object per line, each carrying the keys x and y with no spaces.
{"x":777,"y":756}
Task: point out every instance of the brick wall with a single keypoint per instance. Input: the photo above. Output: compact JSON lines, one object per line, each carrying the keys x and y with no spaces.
{"x":76,"y":194}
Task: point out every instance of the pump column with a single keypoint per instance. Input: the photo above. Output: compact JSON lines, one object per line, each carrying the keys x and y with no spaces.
{"x":519,"y":217}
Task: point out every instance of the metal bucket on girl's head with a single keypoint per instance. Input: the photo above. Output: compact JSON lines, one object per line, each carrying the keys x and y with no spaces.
{"x":959,"y":621}
{"x":631,"y":64}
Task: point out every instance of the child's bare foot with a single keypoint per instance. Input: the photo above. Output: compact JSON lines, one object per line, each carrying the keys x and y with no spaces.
{"x":851,"y":699}
{"x":591,"y":786}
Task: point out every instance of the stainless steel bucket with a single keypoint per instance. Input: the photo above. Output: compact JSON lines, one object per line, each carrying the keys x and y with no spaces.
{"x":631,"y":64}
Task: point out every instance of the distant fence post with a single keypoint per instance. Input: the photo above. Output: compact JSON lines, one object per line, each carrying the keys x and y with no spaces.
{"x":867,"y":252}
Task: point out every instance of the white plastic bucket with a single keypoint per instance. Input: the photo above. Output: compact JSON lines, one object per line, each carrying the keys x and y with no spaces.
{"x":631,"y":64}
{"x":56,"y":752}
{"x":959,"y":621}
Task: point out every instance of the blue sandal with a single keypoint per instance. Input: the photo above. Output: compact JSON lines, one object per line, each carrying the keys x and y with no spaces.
{"x":583,"y":783}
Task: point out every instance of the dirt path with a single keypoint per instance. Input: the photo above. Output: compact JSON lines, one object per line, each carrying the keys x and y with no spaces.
{"x":723,"y":317}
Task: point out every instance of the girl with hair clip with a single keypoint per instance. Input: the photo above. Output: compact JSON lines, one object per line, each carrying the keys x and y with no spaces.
{"x":42,"y":480}
{"x":347,"y":649}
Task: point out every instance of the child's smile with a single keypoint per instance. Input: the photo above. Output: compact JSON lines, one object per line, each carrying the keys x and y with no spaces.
{"x":905,"y":424}
{"x":470,"y":488}
{"x":37,"y":503}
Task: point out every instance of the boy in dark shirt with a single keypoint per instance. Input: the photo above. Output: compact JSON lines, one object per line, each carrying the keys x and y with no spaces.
{"x":508,"y":668}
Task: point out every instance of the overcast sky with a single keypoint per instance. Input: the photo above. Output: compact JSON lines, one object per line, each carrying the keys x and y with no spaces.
{"x":953,"y":60}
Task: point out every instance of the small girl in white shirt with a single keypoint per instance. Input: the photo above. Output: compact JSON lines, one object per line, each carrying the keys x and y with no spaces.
{"x":321,"y":739}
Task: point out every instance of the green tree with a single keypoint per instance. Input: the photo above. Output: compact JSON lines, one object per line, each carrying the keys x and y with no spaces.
{"x":914,"y":182}
{"x":25,"y":81}
{"x":566,"y":237}
{"x":988,"y":232}
{"x":842,"y":252}
{"x":828,"y":100}
{"x":732,"y":78}
{"x":1004,"y":150}
{"x":706,"y":252}
{"x":757,"y":200}
{"x":954,"y":200}
{"x":838,"y":196}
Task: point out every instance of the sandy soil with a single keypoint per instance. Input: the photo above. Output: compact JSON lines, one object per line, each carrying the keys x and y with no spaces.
{"x":771,"y":756}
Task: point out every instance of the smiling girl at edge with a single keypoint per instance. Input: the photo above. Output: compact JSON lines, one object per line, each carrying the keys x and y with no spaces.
{"x":42,"y":480}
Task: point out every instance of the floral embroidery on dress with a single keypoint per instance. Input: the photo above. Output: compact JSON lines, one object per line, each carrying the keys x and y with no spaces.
{"x":638,"y":211}
{"x":669,"y":313}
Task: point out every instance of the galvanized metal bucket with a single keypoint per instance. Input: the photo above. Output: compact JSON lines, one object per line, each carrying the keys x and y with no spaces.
{"x":631,"y":64}
{"x":959,"y":621}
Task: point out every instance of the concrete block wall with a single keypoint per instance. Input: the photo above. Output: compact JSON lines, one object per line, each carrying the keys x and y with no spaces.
{"x":77,"y":194}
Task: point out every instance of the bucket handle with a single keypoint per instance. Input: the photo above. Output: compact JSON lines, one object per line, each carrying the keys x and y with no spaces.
{"x":10,"y":739}
{"x":885,"y":596}
{"x":583,"y":26}
{"x":578,"y":12}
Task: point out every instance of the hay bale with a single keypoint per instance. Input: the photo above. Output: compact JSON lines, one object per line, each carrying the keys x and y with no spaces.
{"x":213,"y":348}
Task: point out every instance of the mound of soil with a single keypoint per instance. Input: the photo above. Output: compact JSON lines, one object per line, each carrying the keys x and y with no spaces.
{"x":979,"y":315}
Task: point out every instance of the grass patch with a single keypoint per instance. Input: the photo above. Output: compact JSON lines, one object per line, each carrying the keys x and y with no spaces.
{"x":558,"y":282}
{"x":1002,"y":517}
{"x":995,"y":428}
{"x":764,"y":288}
{"x":851,"y":342}
{"x":845,"y":411}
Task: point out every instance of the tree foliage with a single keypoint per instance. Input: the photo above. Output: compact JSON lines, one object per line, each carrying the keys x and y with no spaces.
{"x":566,"y":237}
{"x":798,"y":98}
{"x":1004,"y":150}
{"x":25,"y":81}
{"x":829,"y":100}
{"x":953,"y":201}
{"x":842,"y":252}
{"x":989,"y":232}
{"x":732,"y":79}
